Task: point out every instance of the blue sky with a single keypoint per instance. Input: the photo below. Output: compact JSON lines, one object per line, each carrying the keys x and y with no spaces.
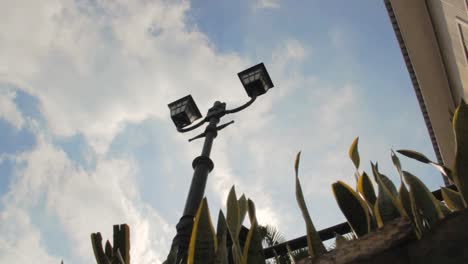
{"x":85,"y":135}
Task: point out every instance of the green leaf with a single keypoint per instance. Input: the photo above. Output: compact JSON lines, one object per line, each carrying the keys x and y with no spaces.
{"x":388,"y":206}
{"x":414,"y":155}
{"x":424,"y":200}
{"x":405,"y":201}
{"x":96,"y":241}
{"x":366,"y":188}
{"x":353,"y":207}
{"x":253,"y":250}
{"x":296,"y":163}
{"x":242,"y":208}
{"x":233,"y":213}
{"x":202,"y":247}
{"x":314,"y":243}
{"x":379,"y":177}
{"x":354,"y":153}
{"x":420,"y":157}
{"x":233,"y":223}
{"x":221,"y":234}
{"x":396,"y":162}
{"x":460,"y":127}
{"x":452,"y":199}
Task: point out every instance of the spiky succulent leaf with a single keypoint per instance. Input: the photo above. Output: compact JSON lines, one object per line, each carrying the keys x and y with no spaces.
{"x":452,"y":199}
{"x":387,"y":183}
{"x":221,"y":226}
{"x":253,"y":250}
{"x":233,"y":223}
{"x":354,"y":153}
{"x":366,"y":188}
{"x":420,"y":157}
{"x":388,"y":206}
{"x":396,"y":162}
{"x":353,"y":207}
{"x":414,"y":155}
{"x":203,"y":244}
{"x":424,"y":200}
{"x":96,"y":241}
{"x":460,"y":127}
{"x":108,"y":250}
{"x":221,"y":237}
{"x":314,"y":243}
{"x":405,"y":201}
{"x":118,"y":259}
{"x":222,"y":253}
{"x":233,"y":213}
{"x":242,"y":208}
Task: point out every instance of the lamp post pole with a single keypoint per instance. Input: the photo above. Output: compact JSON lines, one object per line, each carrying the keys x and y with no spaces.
{"x":184,"y":111}
{"x":202,"y":166}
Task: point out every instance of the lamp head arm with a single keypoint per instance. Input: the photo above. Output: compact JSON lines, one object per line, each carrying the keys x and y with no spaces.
{"x":242,"y":107}
{"x":187,"y":129}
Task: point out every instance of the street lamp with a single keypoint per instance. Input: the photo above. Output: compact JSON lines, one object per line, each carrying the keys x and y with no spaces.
{"x":184,"y":112}
{"x":256,"y":80}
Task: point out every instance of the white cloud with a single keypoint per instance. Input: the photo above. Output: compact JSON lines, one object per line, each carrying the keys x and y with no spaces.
{"x":97,"y":65}
{"x":82,"y":202}
{"x":20,"y":240}
{"x":267,"y":4}
{"x":8,"y":109}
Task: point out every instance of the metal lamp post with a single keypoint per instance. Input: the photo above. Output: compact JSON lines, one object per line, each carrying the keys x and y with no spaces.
{"x":184,"y":112}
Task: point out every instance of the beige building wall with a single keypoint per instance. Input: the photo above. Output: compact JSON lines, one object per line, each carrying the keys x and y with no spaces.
{"x":450,"y":19}
{"x":433,"y":36}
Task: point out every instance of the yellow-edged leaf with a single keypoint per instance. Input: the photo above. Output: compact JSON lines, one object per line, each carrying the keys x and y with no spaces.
{"x":221,"y":235}
{"x":354,"y":153}
{"x":452,"y":199}
{"x":424,"y":200}
{"x":253,"y":250}
{"x":242,"y":208}
{"x":353,"y":207}
{"x":233,"y":223}
{"x":389,"y":206}
{"x":202,"y":247}
{"x":366,"y":188}
{"x":315,"y":245}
